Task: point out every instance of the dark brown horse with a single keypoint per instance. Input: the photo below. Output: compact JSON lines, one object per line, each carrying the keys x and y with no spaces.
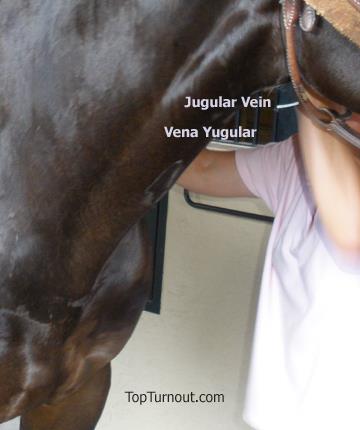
{"x":87,"y":87}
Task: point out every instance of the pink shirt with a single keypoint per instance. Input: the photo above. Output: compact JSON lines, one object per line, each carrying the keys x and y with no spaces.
{"x":305,"y":366}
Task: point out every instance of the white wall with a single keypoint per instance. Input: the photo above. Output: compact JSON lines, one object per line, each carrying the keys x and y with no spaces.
{"x":202,"y":338}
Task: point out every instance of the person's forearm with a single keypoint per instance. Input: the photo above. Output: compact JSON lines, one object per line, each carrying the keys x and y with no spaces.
{"x":214,"y":173}
{"x":333,"y":169}
{"x":193,"y":176}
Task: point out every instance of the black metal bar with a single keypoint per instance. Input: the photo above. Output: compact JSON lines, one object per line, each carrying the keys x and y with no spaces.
{"x":159,"y":235}
{"x":256,"y":125}
{"x":226,"y":211}
{"x":237,"y":122}
{"x":276,"y":117}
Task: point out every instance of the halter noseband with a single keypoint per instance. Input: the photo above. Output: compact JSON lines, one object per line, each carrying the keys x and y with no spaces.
{"x":327,"y":118}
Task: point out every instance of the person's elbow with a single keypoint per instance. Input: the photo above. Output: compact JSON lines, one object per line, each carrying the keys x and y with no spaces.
{"x":349,"y":245}
{"x":347,"y":238}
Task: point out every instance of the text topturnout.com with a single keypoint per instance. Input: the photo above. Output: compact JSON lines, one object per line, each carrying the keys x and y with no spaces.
{"x":155,"y":397}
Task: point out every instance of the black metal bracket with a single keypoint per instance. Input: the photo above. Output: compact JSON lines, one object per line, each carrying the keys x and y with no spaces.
{"x":226,"y":211}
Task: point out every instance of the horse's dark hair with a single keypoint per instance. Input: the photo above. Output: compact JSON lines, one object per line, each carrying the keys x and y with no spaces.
{"x":87,"y":87}
{"x":329,"y":62}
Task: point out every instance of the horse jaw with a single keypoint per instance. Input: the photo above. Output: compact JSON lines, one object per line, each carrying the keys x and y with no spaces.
{"x":330,"y":62}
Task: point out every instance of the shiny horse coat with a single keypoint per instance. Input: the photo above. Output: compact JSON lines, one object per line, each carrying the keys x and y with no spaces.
{"x":87,"y":87}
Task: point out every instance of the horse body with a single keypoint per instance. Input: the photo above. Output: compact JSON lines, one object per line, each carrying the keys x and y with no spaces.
{"x":87,"y":89}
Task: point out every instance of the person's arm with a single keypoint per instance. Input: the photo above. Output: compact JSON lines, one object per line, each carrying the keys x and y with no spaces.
{"x":214,"y":173}
{"x":333,"y":169}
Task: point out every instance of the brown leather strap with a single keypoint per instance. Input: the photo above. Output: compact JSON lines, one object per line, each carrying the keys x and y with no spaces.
{"x":291,"y":12}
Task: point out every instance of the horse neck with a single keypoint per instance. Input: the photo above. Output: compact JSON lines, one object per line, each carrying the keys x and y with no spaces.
{"x":242,"y":53}
{"x":91,"y":140}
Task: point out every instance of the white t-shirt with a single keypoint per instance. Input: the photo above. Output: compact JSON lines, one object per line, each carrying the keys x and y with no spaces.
{"x":305,"y":367}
